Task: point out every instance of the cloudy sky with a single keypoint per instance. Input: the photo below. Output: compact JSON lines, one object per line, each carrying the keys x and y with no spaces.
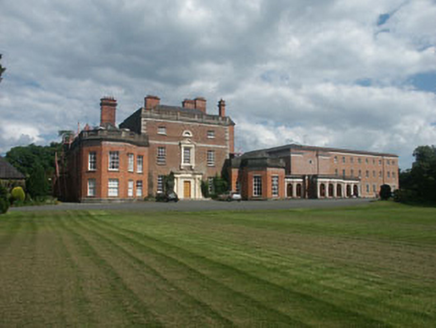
{"x":357,"y":74}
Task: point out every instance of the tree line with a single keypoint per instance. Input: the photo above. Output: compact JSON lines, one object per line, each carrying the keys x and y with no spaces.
{"x":418,"y":184}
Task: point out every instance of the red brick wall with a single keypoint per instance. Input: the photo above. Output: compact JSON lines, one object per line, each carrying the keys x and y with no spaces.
{"x":102,"y":174}
{"x":172,"y":143}
{"x":325,"y":164}
{"x":266,"y":176}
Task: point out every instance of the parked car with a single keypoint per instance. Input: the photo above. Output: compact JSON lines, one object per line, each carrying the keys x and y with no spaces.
{"x":170,"y":197}
{"x":230,"y":196}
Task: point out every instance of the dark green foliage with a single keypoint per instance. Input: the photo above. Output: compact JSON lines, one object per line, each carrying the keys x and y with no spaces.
{"x":24,"y":158}
{"x":168,"y":183}
{"x":18,"y":194}
{"x":385,"y":192}
{"x":405,"y":196}
{"x":4,"y":203}
{"x":205,"y":188}
{"x":418,"y":184}
{"x":220,"y":185}
{"x":37,"y":184}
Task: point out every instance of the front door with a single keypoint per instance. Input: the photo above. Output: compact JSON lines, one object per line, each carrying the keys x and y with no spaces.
{"x":186,"y":189}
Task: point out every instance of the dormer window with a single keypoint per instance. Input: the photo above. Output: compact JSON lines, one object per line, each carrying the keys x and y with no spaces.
{"x":162,"y":130}
{"x":187,"y":134}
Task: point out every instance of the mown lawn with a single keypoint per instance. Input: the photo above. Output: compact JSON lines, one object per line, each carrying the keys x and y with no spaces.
{"x":368,"y":266}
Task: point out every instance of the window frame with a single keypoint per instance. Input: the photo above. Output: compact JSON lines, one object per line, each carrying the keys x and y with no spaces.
{"x":130,"y":162}
{"x":140,"y":164}
{"x":162,"y":130}
{"x":114,"y":160}
{"x":93,"y":188}
{"x":139,"y":187}
{"x":211,"y":134}
{"x":161,"y":156}
{"x":257,"y":186}
{"x":210,"y":157}
{"x":160,"y":184}
{"x":130,"y":187}
{"x":210,"y":185}
{"x":114,"y":187}
{"x":190,"y":159}
{"x":92,"y":159}
{"x":275,"y":186}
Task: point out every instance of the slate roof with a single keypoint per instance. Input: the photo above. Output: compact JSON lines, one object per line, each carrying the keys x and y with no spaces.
{"x":8,"y":172}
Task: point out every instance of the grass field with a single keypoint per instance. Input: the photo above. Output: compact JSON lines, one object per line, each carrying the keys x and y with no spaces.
{"x":368,"y":266}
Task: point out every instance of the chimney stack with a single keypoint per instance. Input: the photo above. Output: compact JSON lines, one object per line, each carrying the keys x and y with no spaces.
{"x":188,"y":103}
{"x":151,"y":102}
{"x":222,"y":108}
{"x":200,"y":104}
{"x":108,"y":106}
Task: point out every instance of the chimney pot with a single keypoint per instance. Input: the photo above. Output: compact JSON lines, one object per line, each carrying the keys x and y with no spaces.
{"x":200,"y":104}
{"x":151,"y":102}
{"x":108,"y":107}
{"x":222,"y":108}
{"x":188,"y":103}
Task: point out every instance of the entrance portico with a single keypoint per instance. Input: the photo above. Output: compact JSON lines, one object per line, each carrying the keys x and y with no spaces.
{"x":188,"y":185}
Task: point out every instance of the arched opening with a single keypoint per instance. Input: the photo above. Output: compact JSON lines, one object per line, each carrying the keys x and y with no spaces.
{"x":339,"y":190}
{"x":299,"y":191}
{"x":348,"y":191}
{"x":331,"y":190}
{"x":289,"y":190}
{"x":322,"y":190}
{"x":355,"y":191}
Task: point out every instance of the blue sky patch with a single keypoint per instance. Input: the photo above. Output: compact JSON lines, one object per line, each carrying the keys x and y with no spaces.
{"x":424,"y":81}
{"x":365,"y":82}
{"x":382,"y":19}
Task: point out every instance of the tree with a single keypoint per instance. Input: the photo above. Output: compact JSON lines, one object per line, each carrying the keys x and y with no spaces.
{"x":220,"y":185}
{"x":423,"y":173}
{"x":385,"y":192}
{"x":4,"y":202}
{"x":2,"y":69}
{"x":37,"y":184}
{"x":24,"y":158}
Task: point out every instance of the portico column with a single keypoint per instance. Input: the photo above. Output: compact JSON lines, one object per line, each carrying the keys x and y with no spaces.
{"x":327,"y":192}
{"x":344,"y":191}
{"x":318,"y":186}
{"x":294,"y":190}
{"x":335,"y":190}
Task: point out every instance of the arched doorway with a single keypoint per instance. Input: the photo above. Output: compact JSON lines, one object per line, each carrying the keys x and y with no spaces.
{"x":289,"y":190}
{"x":322,"y":190}
{"x":299,"y":190}
{"x":331,"y":190}
{"x":355,"y":191}
{"x":339,"y":190}
{"x":348,"y":191}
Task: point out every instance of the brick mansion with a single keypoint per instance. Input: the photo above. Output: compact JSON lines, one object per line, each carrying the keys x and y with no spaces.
{"x":130,"y":161}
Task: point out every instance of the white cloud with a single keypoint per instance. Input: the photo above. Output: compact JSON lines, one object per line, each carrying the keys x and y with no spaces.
{"x":288,"y":70}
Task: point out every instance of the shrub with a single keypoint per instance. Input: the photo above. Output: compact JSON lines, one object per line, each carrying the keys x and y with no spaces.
{"x":4,"y":203}
{"x":385,"y":192}
{"x":18,"y":194}
{"x":205,"y":188}
{"x":37,"y":184}
{"x":405,"y":196}
{"x":220,"y":185}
